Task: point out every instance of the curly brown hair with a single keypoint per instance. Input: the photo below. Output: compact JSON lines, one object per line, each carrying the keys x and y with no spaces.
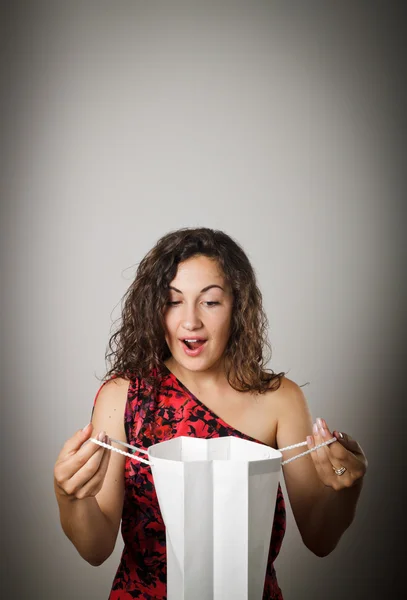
{"x":139,"y":343}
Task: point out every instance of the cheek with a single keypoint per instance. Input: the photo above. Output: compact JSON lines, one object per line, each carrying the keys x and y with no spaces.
{"x":226,"y":333}
{"x":222,"y":331}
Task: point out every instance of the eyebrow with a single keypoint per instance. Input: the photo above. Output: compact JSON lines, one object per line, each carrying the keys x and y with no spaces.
{"x":205,"y":289}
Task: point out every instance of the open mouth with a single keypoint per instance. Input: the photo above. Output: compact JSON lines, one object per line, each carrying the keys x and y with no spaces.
{"x":193,"y":344}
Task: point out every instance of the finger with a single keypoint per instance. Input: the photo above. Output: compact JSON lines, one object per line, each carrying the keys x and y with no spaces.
{"x":353,"y":459}
{"x":314,"y":456}
{"x":336,"y":456}
{"x":87,"y":472}
{"x":72,"y":463}
{"x":75,"y":442}
{"x":345,"y":455}
{"x":335,"y":449}
{"x":94,"y":485}
{"x":347,"y":441}
{"x":332,"y":457}
{"x":320,"y":436}
{"x":325,"y":432}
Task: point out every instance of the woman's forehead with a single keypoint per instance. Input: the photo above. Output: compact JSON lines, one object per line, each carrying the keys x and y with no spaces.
{"x":199,"y":270}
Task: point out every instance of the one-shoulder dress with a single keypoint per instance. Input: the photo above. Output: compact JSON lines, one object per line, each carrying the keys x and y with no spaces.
{"x":153,"y":417}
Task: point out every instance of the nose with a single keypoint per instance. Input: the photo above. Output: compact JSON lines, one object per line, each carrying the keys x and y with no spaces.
{"x":190,"y":318}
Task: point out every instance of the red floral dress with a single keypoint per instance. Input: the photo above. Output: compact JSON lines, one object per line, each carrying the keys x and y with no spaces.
{"x":153,"y":417}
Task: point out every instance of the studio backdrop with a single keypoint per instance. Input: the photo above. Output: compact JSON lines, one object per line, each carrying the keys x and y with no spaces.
{"x":276,"y":122}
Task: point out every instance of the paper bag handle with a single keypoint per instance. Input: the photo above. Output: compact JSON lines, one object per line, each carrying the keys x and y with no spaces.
{"x":142,"y":460}
{"x":104,"y":445}
{"x":285,"y":462}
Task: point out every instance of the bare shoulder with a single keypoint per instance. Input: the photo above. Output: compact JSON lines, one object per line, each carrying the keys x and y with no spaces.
{"x":110,"y":406}
{"x":292,"y":413}
{"x":288,"y":398}
{"x":288,"y":391}
{"x":116,"y":382}
{"x":113,"y":391}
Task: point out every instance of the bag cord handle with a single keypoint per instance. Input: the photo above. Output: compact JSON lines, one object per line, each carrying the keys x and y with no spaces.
{"x":143,"y":460}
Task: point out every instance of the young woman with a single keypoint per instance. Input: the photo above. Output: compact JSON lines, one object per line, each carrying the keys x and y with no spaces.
{"x":188,"y":359}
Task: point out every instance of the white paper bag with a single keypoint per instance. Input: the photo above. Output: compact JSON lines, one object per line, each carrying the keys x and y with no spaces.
{"x":217,"y":498}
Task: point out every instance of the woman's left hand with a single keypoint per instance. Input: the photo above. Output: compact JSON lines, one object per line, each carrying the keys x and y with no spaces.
{"x":340,"y":464}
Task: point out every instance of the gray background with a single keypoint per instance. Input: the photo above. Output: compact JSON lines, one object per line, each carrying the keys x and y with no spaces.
{"x":278,"y":122}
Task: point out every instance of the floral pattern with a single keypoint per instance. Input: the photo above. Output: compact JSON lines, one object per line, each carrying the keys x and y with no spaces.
{"x":153,"y":417}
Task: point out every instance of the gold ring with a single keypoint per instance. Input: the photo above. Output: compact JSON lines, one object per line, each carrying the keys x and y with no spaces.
{"x":340,"y":471}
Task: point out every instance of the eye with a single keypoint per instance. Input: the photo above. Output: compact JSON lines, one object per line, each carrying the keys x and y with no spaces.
{"x":212,"y":303}
{"x":174,"y":303}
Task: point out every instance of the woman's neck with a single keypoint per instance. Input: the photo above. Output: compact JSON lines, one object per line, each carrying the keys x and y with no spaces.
{"x":201,"y":381}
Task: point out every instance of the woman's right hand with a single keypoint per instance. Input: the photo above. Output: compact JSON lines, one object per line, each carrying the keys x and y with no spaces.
{"x":80,"y":468}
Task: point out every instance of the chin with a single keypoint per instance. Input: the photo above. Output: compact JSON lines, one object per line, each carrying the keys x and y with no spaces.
{"x":192,"y":365}
{"x":196,"y":365}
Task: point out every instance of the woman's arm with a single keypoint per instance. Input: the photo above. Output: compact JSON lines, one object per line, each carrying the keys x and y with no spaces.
{"x":323,"y":503}
{"x":89,"y":479}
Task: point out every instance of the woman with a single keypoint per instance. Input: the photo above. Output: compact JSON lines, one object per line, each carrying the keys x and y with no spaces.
{"x":188,"y":359}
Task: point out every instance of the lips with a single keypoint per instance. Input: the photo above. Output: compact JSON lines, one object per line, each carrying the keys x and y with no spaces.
{"x":195,"y":342}
{"x":191,"y":351}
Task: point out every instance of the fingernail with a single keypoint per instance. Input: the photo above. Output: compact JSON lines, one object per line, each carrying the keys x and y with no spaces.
{"x":321,"y":427}
{"x":86,"y":426}
{"x":101,"y":436}
{"x":340,"y":435}
{"x":315,"y":429}
{"x":309,"y":440}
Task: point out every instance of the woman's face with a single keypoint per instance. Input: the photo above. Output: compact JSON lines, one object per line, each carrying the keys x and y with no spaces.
{"x":199,"y":310}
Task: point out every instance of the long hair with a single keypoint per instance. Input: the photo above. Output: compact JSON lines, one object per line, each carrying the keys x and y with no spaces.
{"x":138,"y":346}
